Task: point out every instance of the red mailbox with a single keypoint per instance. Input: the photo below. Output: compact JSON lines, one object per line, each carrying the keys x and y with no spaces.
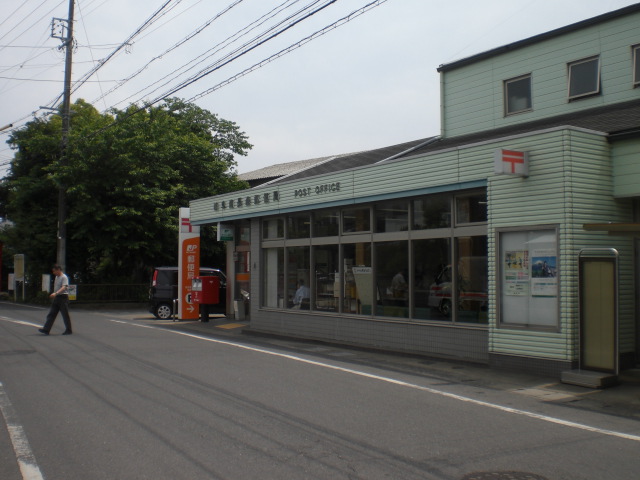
{"x":205,"y":290}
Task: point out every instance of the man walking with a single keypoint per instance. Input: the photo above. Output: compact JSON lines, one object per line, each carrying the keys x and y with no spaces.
{"x":60,"y":303}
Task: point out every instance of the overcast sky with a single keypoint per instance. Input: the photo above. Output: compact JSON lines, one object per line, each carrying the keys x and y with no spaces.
{"x":369,"y":83}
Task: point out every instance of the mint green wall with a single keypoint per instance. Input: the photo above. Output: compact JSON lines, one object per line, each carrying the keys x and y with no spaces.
{"x":473,"y":94}
{"x":570,"y":184}
{"x":626,"y":168}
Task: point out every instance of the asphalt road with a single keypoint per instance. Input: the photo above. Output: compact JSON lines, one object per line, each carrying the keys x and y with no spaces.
{"x":124,"y":398}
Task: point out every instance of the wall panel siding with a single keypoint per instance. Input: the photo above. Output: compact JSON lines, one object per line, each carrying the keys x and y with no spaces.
{"x":578,"y":192}
{"x":570,"y":184}
{"x":626,"y":168}
{"x":474,"y":93}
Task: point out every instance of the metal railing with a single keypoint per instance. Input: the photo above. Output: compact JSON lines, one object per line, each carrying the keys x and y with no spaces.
{"x":112,"y":293}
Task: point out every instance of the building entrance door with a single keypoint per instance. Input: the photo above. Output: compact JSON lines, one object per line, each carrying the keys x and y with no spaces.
{"x":599,"y":311}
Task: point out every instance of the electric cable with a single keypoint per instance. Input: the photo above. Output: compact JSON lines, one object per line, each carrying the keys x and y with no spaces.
{"x":231,"y":58}
{"x":177,"y":45}
{"x":220,"y":46}
{"x":307,"y":39}
{"x":204,"y":73}
{"x":157,"y":14}
{"x":290,"y":48}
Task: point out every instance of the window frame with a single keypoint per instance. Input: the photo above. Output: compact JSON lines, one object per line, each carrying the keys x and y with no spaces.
{"x":481,"y":195}
{"x":503,"y":291}
{"x":635,"y":65}
{"x":505,"y":85}
{"x":583,"y":61}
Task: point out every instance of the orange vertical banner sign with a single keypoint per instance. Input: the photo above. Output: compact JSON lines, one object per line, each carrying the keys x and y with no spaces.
{"x":188,"y":265}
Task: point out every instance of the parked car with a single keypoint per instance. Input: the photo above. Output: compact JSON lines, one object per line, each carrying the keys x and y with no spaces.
{"x":164,"y":290}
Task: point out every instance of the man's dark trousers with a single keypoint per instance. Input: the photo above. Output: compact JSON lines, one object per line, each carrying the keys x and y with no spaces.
{"x":60,"y":304}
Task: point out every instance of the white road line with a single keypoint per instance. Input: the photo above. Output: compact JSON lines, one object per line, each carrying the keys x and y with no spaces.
{"x":26,"y":460}
{"x":495,"y":406}
{"x":19,"y":322}
{"x":461,"y":398}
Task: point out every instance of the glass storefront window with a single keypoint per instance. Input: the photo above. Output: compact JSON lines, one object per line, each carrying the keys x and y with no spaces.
{"x":243,"y":236}
{"x":298,"y":225}
{"x":392,"y":279}
{"x":358,"y":279}
{"x":326,"y":223}
{"x":273,"y":228}
{"x":356,"y":220}
{"x":432,"y":279}
{"x":471,"y":208}
{"x":273,"y":285}
{"x":433,"y":211}
{"x":298,"y":278}
{"x":445,"y":282}
{"x":392,"y":216}
{"x":472,"y":282}
{"x":327,"y":278}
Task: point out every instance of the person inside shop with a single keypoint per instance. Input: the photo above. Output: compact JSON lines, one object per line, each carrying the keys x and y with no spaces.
{"x":399,"y":286}
{"x":302,"y":296}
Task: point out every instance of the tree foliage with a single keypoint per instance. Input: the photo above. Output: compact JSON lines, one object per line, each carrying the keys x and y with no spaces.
{"x":126,"y":173}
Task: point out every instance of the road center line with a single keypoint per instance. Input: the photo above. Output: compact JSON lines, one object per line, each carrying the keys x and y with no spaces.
{"x":26,"y":460}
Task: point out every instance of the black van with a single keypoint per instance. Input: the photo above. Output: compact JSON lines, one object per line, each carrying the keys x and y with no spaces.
{"x":164,"y":290}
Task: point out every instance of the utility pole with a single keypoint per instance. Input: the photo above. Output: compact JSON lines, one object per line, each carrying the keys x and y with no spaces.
{"x":61,"y":256}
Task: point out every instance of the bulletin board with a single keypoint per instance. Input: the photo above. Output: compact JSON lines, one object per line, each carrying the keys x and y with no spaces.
{"x":529,"y":277}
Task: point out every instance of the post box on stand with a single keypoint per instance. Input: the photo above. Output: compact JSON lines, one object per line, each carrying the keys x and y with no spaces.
{"x":205,"y":291}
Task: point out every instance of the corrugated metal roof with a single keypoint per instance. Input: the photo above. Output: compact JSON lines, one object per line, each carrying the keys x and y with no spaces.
{"x":281,"y":169}
{"x":612,"y":119}
{"x":615,"y":119}
{"x":353,"y":160}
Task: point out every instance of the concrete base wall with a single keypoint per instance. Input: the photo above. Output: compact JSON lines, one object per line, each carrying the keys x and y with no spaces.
{"x":537,"y":366}
{"x":449,"y":341}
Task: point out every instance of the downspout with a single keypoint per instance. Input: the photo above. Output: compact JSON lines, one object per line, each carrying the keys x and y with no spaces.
{"x":443,"y":130}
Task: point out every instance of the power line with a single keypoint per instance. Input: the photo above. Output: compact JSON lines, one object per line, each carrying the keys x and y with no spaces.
{"x":208,"y":71}
{"x":180,"y":43}
{"x":252,"y":45}
{"x":102,"y":62}
{"x":42,"y":80}
{"x":290,"y":48}
{"x":30,"y":27}
{"x":221,"y":45}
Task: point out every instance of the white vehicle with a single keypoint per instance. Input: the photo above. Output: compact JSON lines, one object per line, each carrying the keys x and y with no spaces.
{"x":472,"y":287}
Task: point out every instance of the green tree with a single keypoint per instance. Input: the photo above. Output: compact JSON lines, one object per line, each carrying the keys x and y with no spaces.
{"x":126,"y":175}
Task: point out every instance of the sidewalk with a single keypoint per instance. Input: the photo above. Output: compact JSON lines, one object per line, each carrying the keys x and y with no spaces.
{"x":622,"y":399}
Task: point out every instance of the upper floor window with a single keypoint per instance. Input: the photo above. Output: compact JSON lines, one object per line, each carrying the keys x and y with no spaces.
{"x":584,"y":77}
{"x":636,"y":65}
{"x":517,"y":95}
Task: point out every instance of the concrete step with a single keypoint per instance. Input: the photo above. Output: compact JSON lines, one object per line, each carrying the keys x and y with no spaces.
{"x":588,"y":378}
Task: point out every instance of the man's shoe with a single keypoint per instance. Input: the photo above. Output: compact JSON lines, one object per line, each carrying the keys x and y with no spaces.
{"x":43,"y":331}
{"x":67,"y":332}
